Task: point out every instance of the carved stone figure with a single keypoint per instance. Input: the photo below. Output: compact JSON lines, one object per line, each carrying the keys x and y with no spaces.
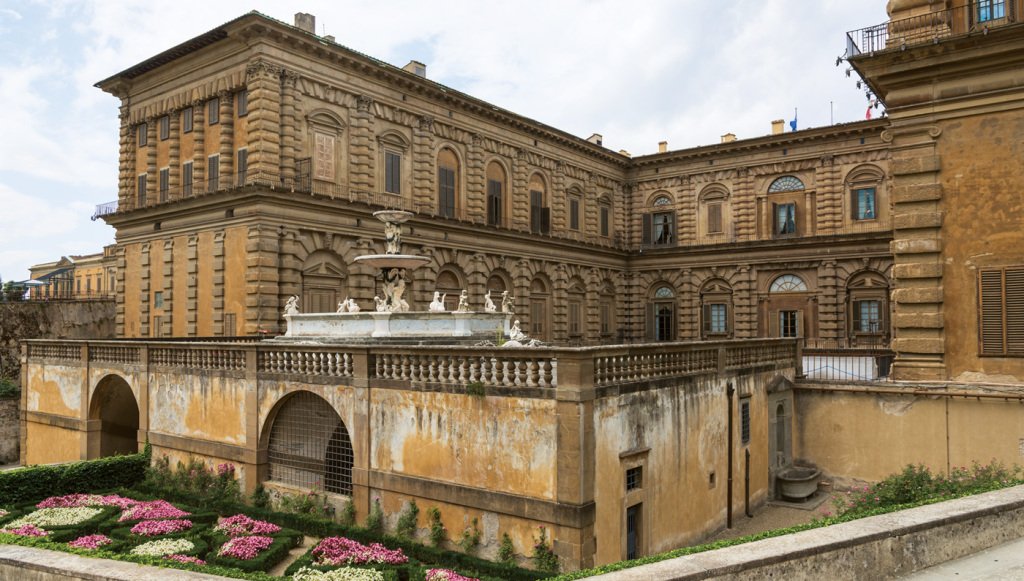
{"x":343,"y":306}
{"x":506,"y":303}
{"x":292,"y":306}
{"x":394,"y":288}
{"x":489,"y":304}
{"x":353,"y":307}
{"x":382,"y":305}
{"x":437,"y":305}
{"x":463,"y":302}
{"x":516,"y":333}
{"x":392,"y":238}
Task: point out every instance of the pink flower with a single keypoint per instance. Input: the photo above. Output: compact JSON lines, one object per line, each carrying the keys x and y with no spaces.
{"x":240,"y":524}
{"x":225,"y":469}
{"x":26,"y":530}
{"x":244,"y":548}
{"x":91,"y":542}
{"x":447,"y":575}
{"x":155,"y":509}
{"x":186,"y":559}
{"x":79,"y":500}
{"x":152,"y":528}
{"x":343,"y":551}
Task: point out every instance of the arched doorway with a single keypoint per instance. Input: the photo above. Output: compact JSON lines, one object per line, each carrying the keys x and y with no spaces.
{"x":308,"y":445}
{"x":114,"y":406}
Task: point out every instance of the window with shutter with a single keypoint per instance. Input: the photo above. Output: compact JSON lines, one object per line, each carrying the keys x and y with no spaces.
{"x":243,"y":165}
{"x":392,"y":172}
{"x":165,"y":180}
{"x":243,"y":103}
{"x":213,"y":111}
{"x":714,"y":218}
{"x":494,"y":202}
{"x":186,"y":178}
{"x":213,"y":172}
{"x":1001,"y":311}
{"x":574,"y":213}
{"x":186,"y":120}
{"x":142,"y":132}
{"x":605,"y":227}
{"x":140,"y":190}
{"x":537,"y":213}
{"x":165,"y":128}
{"x":446,"y":191}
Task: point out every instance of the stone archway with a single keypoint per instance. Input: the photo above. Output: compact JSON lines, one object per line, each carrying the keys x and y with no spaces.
{"x":308,"y":444}
{"x":114,"y":419}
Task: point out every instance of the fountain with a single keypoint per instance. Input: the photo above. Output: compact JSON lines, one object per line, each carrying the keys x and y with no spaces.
{"x":391,"y":320}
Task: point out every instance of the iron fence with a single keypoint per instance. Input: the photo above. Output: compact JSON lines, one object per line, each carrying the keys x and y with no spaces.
{"x":863,"y":358}
{"x":930,"y":28}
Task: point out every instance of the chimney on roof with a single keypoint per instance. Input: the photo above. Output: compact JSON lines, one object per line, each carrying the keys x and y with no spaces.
{"x":662,"y":146}
{"x":329,"y":38}
{"x":778,"y":126}
{"x":304,"y":21}
{"x":596,"y":139}
{"x":728,"y":138}
{"x":625,"y":153}
{"x":417,"y":68}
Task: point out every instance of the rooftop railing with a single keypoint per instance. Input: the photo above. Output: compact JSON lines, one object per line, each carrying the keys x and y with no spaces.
{"x":104,"y":209}
{"x":930,"y":28}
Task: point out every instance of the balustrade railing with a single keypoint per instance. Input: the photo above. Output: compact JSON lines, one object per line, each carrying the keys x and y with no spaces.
{"x":931,"y":27}
{"x":543,"y":368}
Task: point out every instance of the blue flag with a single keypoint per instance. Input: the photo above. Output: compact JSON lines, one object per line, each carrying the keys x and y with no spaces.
{"x":792,"y":124}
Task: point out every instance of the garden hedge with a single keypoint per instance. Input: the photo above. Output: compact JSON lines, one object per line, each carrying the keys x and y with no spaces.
{"x":266,"y":559}
{"x":34,"y":483}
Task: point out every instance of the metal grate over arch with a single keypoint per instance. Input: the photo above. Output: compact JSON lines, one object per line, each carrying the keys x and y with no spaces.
{"x":309,"y":446}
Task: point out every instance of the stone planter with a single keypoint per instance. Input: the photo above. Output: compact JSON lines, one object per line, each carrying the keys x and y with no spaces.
{"x":798,"y":482}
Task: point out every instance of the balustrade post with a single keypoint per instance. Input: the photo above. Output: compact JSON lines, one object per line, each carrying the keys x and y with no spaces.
{"x":361,"y":372}
{"x":723,"y":360}
{"x":799,"y":363}
{"x":575,"y":377}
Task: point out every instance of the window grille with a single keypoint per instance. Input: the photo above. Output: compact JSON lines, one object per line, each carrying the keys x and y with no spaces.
{"x":309,"y":446}
{"x":634,"y":478}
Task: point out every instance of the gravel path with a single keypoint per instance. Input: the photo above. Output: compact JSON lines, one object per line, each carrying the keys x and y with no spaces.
{"x":770,"y":517}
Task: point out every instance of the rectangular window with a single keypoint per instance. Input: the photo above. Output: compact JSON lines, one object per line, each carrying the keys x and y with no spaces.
{"x":142,"y":131}
{"x":243,"y":103}
{"x":864,"y":204}
{"x":663,"y":327}
{"x":165,"y":127}
{"x":158,"y":300}
{"x":230,"y":325}
{"x":867,"y":316}
{"x":158,"y":327}
{"x":538,"y":313}
{"x":634,"y":478}
{"x":213,"y":173}
{"x":605,"y":227}
{"x":392,"y":172}
{"x":991,"y":10}
{"x":745,"y":420}
{"x":1001,"y":311}
{"x":574,"y":213}
{"x":716,"y":319}
{"x":785,"y":219}
{"x":242,"y":165}
{"x":165,"y":181}
{"x":540,"y":216}
{"x":605,"y":317}
{"x":140,"y":189}
{"x":659,"y":229}
{"x":446,"y":191}
{"x":494,"y":195}
{"x":574,"y":318}
{"x":714,"y":218}
{"x":186,"y":178}
{"x":186,"y":120}
{"x":789,"y":324}
{"x":213,"y":111}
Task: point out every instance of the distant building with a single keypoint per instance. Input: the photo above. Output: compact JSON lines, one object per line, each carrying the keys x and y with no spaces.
{"x":75,"y":277}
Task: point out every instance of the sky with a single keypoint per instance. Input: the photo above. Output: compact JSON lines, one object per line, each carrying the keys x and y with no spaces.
{"x":683,"y":71}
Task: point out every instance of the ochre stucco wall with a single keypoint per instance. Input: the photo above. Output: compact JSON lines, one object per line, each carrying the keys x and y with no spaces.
{"x":51,"y":444}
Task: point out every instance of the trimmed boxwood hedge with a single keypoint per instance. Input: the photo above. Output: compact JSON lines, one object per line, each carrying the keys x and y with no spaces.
{"x":34,"y":483}
{"x":267,"y":558}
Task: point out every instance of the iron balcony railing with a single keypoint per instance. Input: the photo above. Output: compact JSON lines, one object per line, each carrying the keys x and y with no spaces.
{"x":853,"y":359}
{"x":104,"y":209}
{"x":930,"y":28}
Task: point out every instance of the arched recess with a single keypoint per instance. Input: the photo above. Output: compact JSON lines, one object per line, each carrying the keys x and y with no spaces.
{"x":308,"y":445}
{"x":540,"y":212}
{"x":326,"y":128}
{"x":716,"y":309}
{"x":576,"y":301}
{"x":450,"y":282}
{"x":867,"y":201}
{"x":497,"y":283}
{"x":497,"y":188}
{"x":788,"y":311}
{"x":661,"y":312}
{"x":114,"y":406}
{"x":540,"y":308}
{"x":449,"y":183}
{"x":715,"y":218}
{"x":607,"y":326}
{"x":867,"y":302}
{"x":323,"y":282}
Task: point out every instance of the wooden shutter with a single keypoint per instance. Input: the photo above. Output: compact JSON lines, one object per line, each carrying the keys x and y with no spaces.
{"x":646,"y":229}
{"x":1013,"y":293}
{"x":800,"y":324}
{"x":545,"y":220}
{"x":714,"y":218}
{"x":991,"y":315}
{"x":706,"y":323}
{"x":651,"y":336}
{"x":243,"y":165}
{"x":855,"y":316}
{"x":536,"y":199}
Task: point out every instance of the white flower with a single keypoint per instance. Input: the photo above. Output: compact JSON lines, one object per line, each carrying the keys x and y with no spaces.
{"x":341,"y":574}
{"x":164,"y":547}
{"x":3,"y":513}
{"x":57,"y":517}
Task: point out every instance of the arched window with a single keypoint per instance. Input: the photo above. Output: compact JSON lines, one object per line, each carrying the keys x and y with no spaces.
{"x":540,"y":299}
{"x":786,"y":184}
{"x":449,"y":284}
{"x":309,"y":446}
{"x":606,"y":311}
{"x":496,"y":285}
{"x":447,"y":183}
{"x":323,"y":282}
{"x":540,"y":213}
{"x":574,"y":207}
{"x":393,"y":147}
{"x":661,"y":315}
{"x":576,"y":298}
{"x":716,"y":309}
{"x":713,"y":211}
{"x":788,"y":283}
{"x":496,"y":187}
{"x":864,"y":184}
{"x":867,"y":304}
{"x":659,"y":224}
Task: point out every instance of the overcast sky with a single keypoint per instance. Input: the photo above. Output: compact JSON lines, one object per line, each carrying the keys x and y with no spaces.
{"x":637,"y":72}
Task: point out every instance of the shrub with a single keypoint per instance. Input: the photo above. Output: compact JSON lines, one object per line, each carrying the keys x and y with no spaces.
{"x":34,"y":483}
{"x":406,"y":527}
{"x":544,"y":559}
{"x":506,"y":550}
{"x":260,"y":497}
{"x":438,"y":533}
{"x":207,"y":487}
{"x":471,"y":537}
{"x":375,"y":520}
{"x":348,"y":513}
{"x":311,"y":503}
{"x":8,"y":389}
{"x":253,"y":553}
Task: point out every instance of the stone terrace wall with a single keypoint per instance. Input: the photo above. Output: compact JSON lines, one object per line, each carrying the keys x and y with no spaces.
{"x":9,"y":430}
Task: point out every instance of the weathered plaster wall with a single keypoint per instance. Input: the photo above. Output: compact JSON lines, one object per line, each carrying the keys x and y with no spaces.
{"x":203,"y":406}
{"x":867,"y":437}
{"x":9,"y":430}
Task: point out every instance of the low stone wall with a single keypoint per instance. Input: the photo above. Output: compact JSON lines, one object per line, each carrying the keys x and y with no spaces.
{"x":10,"y":429}
{"x":28,"y":564}
{"x":881,"y":547}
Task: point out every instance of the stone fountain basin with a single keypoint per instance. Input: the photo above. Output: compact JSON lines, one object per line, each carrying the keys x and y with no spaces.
{"x":393,"y":260}
{"x":412,"y":325}
{"x":798,"y":482}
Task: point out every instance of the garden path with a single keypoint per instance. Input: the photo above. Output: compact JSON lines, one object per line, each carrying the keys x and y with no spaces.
{"x":279,"y":569}
{"x":770,"y":517}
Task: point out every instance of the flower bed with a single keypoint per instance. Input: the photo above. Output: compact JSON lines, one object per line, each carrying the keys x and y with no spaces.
{"x":164,"y":547}
{"x":253,"y":553}
{"x":343,"y":551}
{"x":341,"y":574}
{"x":57,"y":517}
{"x":155,"y":528}
{"x":240,"y":525}
{"x":91,"y":542}
{"x":26,"y":530}
{"x":151,"y":510}
{"x":446,"y":575}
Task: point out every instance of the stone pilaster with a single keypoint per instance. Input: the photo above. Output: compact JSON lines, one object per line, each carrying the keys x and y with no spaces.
{"x":744,"y":302}
{"x":199,"y":147}
{"x":226,"y":149}
{"x":830,"y":195}
{"x":289,"y":125}
{"x":122,"y":267}
{"x":263,"y":122}
{"x":829,"y":320}
{"x":743,"y":205}
{"x":520,"y":192}
{"x":918,"y":327}
{"x":192,"y":290}
{"x":166,"y":329}
{"x":289,"y":273}
{"x":261,"y":280}
{"x":152,"y":172}
{"x":558,"y":305}
{"x":591,"y":209}
{"x":361,"y":149}
{"x":423,"y":178}
{"x":218,"y":283}
{"x":688,"y":301}
{"x":686,"y":213}
{"x":126,"y":159}
{"x":174,"y":156}
{"x":476,"y":182}
{"x":144,"y":291}
{"x":557,"y":202}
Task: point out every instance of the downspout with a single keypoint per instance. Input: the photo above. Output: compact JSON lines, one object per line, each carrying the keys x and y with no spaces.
{"x":746,"y":485}
{"x":729,"y":391}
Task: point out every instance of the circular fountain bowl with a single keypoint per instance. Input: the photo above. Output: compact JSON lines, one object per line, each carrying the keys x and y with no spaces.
{"x":393,"y":216}
{"x":393,"y":260}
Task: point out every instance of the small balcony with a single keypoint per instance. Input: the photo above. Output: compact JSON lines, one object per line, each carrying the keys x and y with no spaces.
{"x":103,"y":210}
{"x":976,"y":18}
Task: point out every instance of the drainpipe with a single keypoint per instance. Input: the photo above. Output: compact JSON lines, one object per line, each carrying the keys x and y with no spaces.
{"x":746,"y":485}
{"x":729,"y":391}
